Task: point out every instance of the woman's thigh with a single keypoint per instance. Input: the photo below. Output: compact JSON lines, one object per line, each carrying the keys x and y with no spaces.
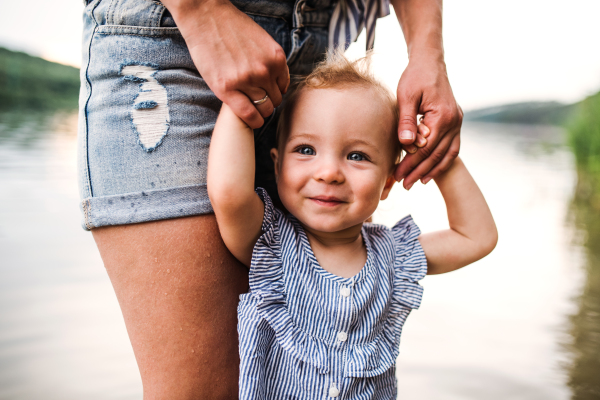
{"x":178,"y":288}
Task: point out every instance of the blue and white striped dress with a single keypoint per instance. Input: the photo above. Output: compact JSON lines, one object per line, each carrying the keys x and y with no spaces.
{"x":306,"y":334}
{"x":349,"y":17}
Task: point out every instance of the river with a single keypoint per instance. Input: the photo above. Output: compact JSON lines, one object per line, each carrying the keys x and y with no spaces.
{"x":523,"y":323}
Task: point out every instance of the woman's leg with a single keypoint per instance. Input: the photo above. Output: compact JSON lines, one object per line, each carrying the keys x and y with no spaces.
{"x":178,"y":289}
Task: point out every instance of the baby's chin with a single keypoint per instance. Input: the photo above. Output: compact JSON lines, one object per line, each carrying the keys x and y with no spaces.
{"x":329,"y":226}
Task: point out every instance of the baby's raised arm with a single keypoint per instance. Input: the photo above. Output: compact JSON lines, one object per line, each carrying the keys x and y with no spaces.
{"x":472,"y":234}
{"x":230,"y":182}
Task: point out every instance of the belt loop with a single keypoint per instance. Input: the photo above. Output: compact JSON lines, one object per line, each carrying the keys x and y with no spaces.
{"x":298,"y":10}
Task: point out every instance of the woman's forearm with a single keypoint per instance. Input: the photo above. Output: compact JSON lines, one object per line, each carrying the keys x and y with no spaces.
{"x":421,"y":22}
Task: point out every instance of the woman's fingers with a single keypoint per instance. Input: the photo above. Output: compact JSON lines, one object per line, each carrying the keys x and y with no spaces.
{"x":262,"y":101}
{"x":410,"y":148}
{"x":283,"y":78}
{"x":275,"y":94}
{"x":431,"y":157}
{"x":241,"y":105}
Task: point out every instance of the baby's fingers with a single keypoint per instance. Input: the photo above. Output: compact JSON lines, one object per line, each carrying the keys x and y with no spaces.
{"x":422,"y":132}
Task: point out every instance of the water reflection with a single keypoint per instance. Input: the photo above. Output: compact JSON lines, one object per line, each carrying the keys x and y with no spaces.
{"x":26,"y":127}
{"x":61,"y":332}
{"x":584,"y":340}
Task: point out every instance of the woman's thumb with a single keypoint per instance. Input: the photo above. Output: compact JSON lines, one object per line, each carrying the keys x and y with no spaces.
{"x":407,"y":125}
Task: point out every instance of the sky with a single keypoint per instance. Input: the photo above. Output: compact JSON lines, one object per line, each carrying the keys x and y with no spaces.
{"x":497,"y":52}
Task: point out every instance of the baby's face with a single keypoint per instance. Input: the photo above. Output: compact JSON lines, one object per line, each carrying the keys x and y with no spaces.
{"x":337,"y":161}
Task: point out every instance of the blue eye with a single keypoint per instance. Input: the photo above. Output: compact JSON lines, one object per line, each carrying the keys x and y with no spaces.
{"x":356,"y":157}
{"x":307,"y":151}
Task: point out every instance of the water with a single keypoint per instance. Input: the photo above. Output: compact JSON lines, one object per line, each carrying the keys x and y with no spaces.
{"x":521,"y":324}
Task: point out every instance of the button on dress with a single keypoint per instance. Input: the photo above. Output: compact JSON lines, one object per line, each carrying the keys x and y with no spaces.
{"x":307,"y":334}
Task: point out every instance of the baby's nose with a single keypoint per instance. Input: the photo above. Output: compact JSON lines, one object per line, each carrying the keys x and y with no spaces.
{"x":329,"y":171}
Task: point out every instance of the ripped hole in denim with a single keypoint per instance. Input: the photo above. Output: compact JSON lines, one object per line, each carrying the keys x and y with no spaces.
{"x":150,"y":113}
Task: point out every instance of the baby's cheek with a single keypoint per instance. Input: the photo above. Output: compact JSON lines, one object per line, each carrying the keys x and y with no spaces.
{"x":288,"y":187}
{"x":370,"y":191}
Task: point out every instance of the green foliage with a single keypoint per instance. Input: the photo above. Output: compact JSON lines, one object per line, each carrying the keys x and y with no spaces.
{"x":584,"y":135}
{"x":32,"y":82}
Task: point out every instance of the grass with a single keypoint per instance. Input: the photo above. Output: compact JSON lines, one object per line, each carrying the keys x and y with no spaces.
{"x":584,"y":139}
{"x":28,"y":82}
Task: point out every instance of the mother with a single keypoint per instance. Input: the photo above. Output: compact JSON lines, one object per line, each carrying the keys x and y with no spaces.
{"x":153,"y":77}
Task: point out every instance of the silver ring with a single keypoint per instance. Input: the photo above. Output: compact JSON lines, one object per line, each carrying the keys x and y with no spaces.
{"x":261,"y":101}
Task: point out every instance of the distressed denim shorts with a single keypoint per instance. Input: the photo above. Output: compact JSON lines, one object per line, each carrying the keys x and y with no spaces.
{"x":146,"y":115}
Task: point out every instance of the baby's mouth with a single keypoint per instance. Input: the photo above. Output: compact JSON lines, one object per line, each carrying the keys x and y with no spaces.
{"x":327,"y":201}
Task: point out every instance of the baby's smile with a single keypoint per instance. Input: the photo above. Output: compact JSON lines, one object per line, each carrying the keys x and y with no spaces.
{"x":327,"y":201}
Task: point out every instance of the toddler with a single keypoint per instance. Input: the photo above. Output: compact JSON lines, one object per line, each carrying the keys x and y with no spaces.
{"x":329,"y":293}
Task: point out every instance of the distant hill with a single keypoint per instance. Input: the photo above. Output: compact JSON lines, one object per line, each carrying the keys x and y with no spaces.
{"x":32,"y":82}
{"x":550,"y":112}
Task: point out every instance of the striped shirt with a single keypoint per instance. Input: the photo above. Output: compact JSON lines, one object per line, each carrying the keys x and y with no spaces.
{"x":307,"y":334}
{"x":349,"y":17}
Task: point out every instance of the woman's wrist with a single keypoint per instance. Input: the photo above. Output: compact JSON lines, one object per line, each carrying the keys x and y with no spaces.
{"x":193,"y":16}
{"x":426,"y":55}
{"x":186,"y":9}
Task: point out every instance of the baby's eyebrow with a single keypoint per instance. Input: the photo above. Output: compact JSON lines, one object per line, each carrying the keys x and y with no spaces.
{"x":365,"y":143}
{"x":302,"y":135}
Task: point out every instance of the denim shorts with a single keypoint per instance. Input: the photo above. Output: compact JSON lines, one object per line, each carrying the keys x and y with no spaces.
{"x":146,"y":115}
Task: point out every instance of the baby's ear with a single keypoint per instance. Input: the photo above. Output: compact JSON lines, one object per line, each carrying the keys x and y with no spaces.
{"x":389,"y":183}
{"x":275,"y":157}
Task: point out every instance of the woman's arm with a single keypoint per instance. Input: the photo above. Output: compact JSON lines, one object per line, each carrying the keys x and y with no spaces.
{"x":230,"y":182}
{"x":472,"y":234}
{"x":424,"y":89}
{"x":237,"y":58}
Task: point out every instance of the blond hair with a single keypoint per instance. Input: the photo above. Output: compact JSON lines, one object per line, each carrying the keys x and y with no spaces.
{"x":337,"y":72}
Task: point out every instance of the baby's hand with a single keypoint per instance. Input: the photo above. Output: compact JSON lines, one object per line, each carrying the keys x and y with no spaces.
{"x":422,"y":132}
{"x":228,"y":117}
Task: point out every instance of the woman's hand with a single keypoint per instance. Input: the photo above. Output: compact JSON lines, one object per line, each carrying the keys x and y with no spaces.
{"x":424,"y":89}
{"x":238,"y":59}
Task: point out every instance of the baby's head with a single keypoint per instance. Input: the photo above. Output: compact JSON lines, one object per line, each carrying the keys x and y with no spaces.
{"x":337,"y":145}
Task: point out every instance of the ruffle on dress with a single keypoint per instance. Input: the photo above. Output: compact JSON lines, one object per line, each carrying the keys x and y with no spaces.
{"x":410,"y":264}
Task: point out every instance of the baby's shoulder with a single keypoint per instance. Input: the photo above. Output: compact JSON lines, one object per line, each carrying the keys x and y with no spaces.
{"x":403,"y":231}
{"x":398,"y":245}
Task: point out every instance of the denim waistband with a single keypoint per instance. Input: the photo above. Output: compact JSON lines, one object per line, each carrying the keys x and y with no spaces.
{"x":300,"y":13}
{"x":268,"y":8}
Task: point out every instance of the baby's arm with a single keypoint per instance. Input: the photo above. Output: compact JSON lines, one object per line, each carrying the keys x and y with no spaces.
{"x":472,"y":234}
{"x":238,"y":208}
